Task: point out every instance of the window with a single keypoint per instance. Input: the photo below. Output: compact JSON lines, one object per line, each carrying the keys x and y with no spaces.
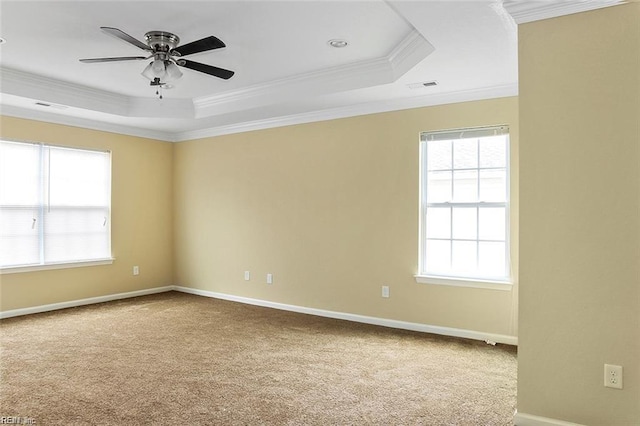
{"x":55,"y":205}
{"x":464,"y":203}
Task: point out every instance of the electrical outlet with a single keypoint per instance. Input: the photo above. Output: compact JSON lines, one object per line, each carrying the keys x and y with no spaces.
{"x":136,"y":270}
{"x":385,"y":291}
{"x":247,"y":275}
{"x":269,"y":278}
{"x":613,"y":376}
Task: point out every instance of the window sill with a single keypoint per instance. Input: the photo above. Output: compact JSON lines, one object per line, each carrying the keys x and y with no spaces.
{"x":63,"y":265}
{"x":460,"y":282}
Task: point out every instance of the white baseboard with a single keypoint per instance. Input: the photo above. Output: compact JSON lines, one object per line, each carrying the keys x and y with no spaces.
{"x":404,"y":325}
{"x":81,"y":302}
{"x":523,"y":419}
{"x":446,"y":331}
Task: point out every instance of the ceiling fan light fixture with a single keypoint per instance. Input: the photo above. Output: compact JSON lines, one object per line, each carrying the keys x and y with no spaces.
{"x":172,"y":71}
{"x":148,"y":72}
{"x":158,"y":68}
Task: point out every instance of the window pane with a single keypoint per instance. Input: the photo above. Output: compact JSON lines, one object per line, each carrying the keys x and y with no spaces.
{"x":465,"y":154}
{"x":493,"y":185}
{"x":465,"y":223}
{"x":492,"y":259}
{"x":439,"y":222}
{"x":76,"y":234}
{"x":492,"y":223}
{"x":78,"y":178}
{"x":438,"y":257}
{"x":439,"y":155}
{"x":438,"y":187}
{"x":464,"y":257}
{"x":19,"y":236}
{"x":465,"y":186}
{"x":493,"y":151}
{"x":19,"y":174}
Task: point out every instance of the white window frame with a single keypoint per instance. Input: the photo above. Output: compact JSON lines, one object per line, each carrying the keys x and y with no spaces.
{"x":42,"y":264}
{"x":496,"y":283}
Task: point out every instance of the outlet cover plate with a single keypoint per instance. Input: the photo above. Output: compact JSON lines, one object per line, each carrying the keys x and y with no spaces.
{"x":613,"y":376}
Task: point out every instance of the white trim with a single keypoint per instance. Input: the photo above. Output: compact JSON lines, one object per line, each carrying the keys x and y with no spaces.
{"x":82,"y":302}
{"x":403,"y":325}
{"x":49,"y":266}
{"x":373,"y":107}
{"x":85,"y":123}
{"x":352,"y":111}
{"x":412,"y":326}
{"x":61,"y":93}
{"x":523,"y":419}
{"x":461,"y":282}
{"x":529,"y":11}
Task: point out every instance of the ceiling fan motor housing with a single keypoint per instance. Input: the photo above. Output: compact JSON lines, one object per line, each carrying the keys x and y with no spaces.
{"x":162,"y":41}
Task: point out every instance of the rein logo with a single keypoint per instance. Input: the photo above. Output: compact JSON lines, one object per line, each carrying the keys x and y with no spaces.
{"x":17,"y":420}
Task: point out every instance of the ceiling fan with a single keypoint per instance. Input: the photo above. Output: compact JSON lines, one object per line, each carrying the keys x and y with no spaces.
{"x":167,"y":56}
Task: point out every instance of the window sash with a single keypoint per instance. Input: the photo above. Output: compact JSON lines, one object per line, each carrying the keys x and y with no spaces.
{"x":65,"y":217}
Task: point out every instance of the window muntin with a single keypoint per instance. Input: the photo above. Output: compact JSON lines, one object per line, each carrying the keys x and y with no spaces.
{"x":55,"y":205}
{"x":464,"y":201}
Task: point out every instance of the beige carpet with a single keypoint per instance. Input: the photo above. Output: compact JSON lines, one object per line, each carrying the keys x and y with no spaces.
{"x":177,"y":359}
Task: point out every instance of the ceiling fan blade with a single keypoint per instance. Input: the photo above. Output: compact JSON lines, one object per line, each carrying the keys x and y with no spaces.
{"x":207,"y":69}
{"x":121,"y":58}
{"x":202,"y":45}
{"x":126,"y":37}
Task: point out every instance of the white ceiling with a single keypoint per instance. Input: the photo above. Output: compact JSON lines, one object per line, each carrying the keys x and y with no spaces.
{"x":286,"y":72}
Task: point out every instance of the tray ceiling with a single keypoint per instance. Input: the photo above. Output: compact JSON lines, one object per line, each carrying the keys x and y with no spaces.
{"x":285,"y":70}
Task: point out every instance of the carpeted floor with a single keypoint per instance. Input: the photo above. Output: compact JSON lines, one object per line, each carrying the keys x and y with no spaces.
{"x":175,"y":358}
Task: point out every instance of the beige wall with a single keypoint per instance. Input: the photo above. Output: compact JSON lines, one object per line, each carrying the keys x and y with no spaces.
{"x":580,"y":216}
{"x":142,"y":232}
{"x":331,"y":209}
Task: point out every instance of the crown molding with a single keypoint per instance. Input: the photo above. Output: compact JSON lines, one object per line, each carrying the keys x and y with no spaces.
{"x":85,"y":123}
{"x":65,"y":94}
{"x":352,"y":111}
{"x":267,"y":123}
{"x":282,"y":90}
{"x":32,"y":86}
{"x":529,"y":11}
{"x":409,"y":52}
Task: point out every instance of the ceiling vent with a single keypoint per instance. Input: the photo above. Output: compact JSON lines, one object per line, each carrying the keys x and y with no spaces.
{"x":422,"y":85}
{"x":47,"y":105}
